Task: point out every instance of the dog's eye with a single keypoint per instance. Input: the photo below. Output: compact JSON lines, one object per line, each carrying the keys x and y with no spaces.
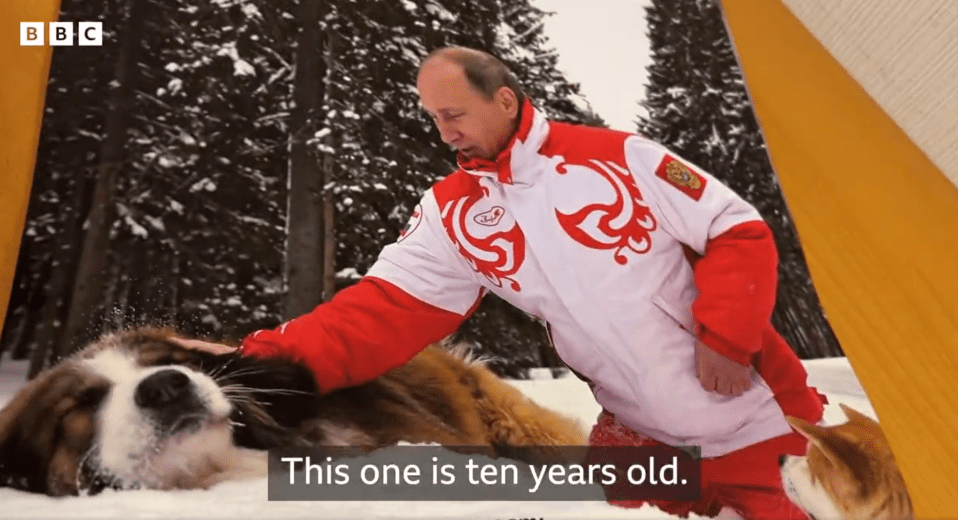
{"x":171,"y":358}
{"x":91,"y":396}
{"x":165,"y":359}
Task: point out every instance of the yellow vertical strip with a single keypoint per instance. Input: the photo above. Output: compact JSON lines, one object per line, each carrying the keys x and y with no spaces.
{"x":879,"y":225}
{"x":23,"y":85}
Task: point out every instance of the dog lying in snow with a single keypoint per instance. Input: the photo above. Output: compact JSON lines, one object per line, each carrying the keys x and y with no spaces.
{"x":137,"y":409}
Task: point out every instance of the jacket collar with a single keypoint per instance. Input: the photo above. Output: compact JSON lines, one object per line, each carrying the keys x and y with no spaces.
{"x":528,"y":138}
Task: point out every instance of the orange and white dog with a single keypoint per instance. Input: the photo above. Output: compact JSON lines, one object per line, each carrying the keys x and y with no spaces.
{"x":849,"y":472}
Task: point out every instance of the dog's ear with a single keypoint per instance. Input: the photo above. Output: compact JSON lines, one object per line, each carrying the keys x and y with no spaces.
{"x":817,"y":435}
{"x":7,"y":429}
{"x":810,"y":431}
{"x":855,"y":416}
{"x":19,"y":467}
{"x":846,"y":453}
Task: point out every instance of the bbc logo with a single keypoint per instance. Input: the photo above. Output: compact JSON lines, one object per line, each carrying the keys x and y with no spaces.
{"x":61,"y":34}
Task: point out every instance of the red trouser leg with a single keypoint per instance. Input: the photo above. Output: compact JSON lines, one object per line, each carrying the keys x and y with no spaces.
{"x":608,"y":432}
{"x":749,"y":482}
{"x":746,"y":481}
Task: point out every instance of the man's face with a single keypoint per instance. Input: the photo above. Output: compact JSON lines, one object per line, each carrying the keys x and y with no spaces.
{"x":474,"y":125}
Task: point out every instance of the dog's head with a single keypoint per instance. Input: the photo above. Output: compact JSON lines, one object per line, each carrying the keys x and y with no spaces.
{"x":848,"y":472}
{"x":136,"y":409}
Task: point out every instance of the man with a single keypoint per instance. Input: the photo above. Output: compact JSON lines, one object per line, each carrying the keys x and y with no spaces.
{"x":656,"y":281}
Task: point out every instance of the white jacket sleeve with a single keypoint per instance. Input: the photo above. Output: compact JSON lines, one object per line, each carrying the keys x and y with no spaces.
{"x":423,"y":263}
{"x":691,"y":204}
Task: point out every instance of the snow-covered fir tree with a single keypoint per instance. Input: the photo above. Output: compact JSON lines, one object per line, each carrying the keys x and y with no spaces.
{"x":197,"y":235}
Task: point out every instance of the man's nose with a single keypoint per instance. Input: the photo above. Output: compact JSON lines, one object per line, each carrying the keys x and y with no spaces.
{"x":448,"y":133}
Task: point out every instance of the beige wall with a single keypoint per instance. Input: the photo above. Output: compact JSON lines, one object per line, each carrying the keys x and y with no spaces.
{"x":904,"y":53}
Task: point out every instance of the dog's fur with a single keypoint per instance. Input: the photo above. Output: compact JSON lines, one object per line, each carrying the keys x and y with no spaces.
{"x":848,"y":473}
{"x":137,"y":410}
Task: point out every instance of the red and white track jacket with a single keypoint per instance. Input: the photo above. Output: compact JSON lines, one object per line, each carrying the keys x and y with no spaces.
{"x":595,"y":232}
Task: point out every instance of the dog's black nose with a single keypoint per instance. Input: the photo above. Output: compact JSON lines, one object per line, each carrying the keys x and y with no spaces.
{"x":781,"y":460}
{"x":161,"y":388}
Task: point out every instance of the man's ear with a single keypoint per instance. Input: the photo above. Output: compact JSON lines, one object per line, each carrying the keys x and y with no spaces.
{"x":508,"y":101}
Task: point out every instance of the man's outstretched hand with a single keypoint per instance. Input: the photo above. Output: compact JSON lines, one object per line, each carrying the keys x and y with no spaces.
{"x":720,"y":374}
{"x":205,"y":346}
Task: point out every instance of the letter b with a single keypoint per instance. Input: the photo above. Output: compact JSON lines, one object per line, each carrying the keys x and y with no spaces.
{"x":61,"y":33}
{"x":31,"y":34}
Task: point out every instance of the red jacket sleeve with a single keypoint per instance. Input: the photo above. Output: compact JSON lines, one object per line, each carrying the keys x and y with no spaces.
{"x":363,"y":332}
{"x":736,"y":279}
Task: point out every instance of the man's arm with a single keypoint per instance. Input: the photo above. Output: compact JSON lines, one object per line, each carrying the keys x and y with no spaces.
{"x":364,"y":331}
{"x":418,"y":292}
{"x":737,"y":280}
{"x":736,"y":259}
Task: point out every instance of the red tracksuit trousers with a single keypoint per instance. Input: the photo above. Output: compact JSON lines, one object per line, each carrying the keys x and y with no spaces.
{"x":747,"y":481}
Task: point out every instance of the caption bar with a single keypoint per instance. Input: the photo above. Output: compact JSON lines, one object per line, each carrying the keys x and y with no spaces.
{"x":426,"y":473}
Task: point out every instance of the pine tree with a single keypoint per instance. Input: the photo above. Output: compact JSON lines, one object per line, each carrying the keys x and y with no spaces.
{"x":698,"y":106}
{"x":90,"y":280}
{"x":305,"y":236}
{"x":207,"y":184}
{"x":200,"y":219}
{"x":62,"y":186}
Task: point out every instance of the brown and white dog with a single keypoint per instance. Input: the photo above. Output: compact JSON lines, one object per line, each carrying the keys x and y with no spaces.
{"x":135,"y":409}
{"x":848,"y":473}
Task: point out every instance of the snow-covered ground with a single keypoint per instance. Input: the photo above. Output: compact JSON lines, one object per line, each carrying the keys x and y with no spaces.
{"x":248,"y":500}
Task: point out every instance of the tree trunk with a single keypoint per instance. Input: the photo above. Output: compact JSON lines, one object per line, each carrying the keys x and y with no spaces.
{"x":88,"y":286}
{"x":304,"y":241}
{"x":173,"y":299}
{"x":50,"y":319}
{"x":329,"y":233}
{"x":59,"y":288}
{"x":329,"y":176}
{"x":113,"y":315}
{"x":25,"y":301}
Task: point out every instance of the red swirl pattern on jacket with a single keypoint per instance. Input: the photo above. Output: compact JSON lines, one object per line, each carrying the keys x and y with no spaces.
{"x":497,"y":256}
{"x":626,"y":223}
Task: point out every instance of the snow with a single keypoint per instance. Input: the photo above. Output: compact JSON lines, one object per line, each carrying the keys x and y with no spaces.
{"x":174,"y":85}
{"x":248,"y":499}
{"x":441,"y":12}
{"x":349,"y":273}
{"x":251,"y":11}
{"x":203,"y":184}
{"x":157,"y":223}
{"x":243,"y":68}
{"x":240,"y":66}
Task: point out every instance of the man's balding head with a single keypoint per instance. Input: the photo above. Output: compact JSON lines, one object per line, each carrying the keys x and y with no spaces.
{"x":473,"y":98}
{"x":483,"y":71}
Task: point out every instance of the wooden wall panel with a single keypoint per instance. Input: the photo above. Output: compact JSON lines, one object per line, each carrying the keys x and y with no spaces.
{"x":23,"y":84}
{"x":879,"y":225}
